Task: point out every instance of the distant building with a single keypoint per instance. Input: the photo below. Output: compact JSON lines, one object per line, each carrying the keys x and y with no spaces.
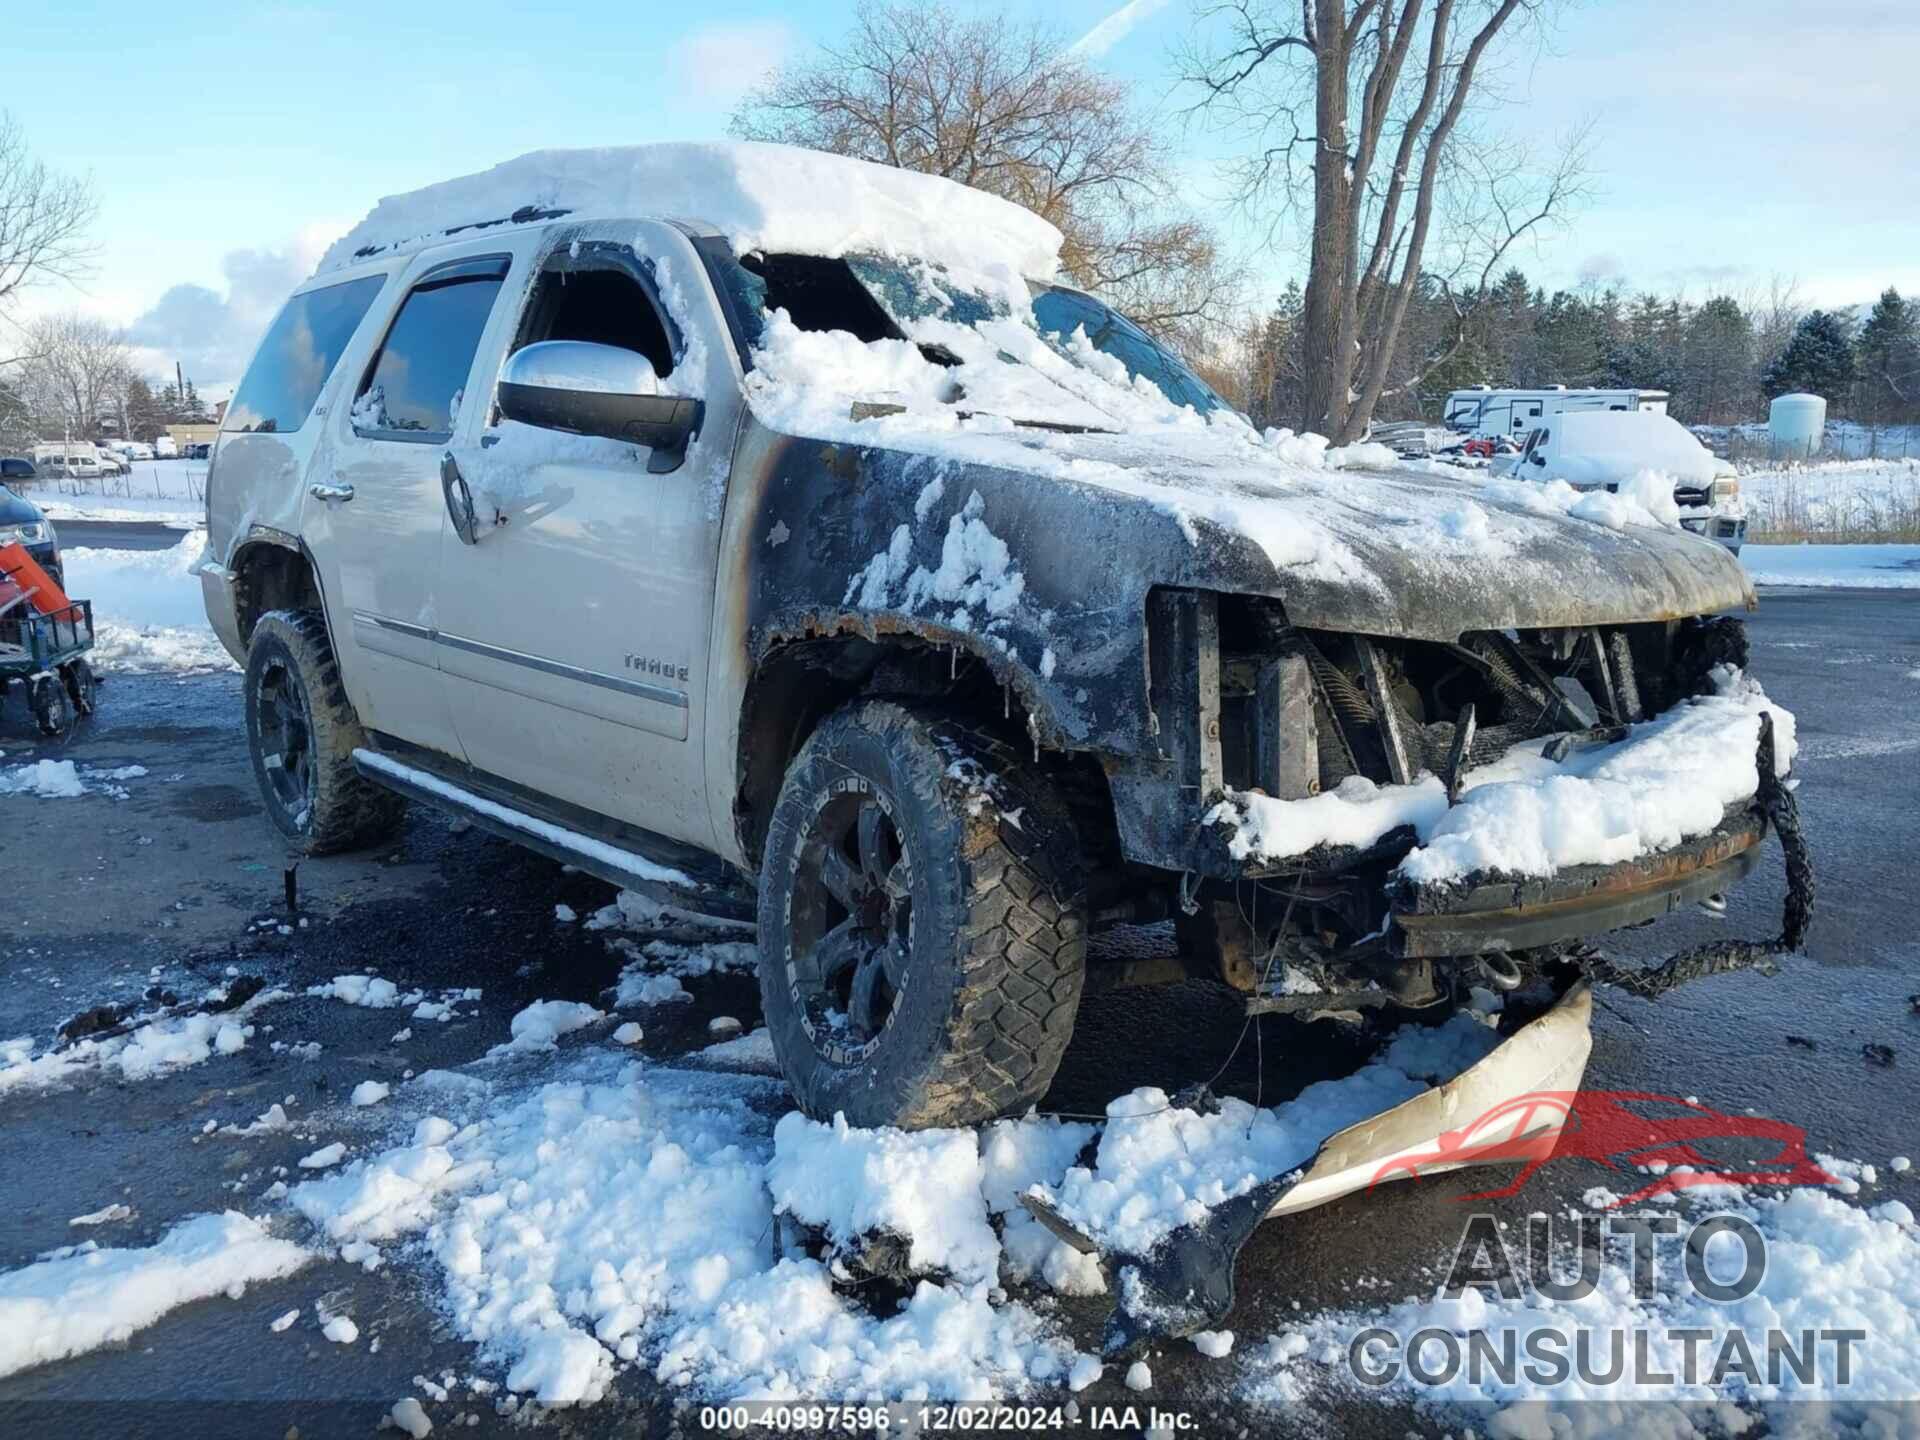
{"x":185,"y":435}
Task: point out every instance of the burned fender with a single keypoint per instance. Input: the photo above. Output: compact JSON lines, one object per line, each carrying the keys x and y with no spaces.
{"x":1042,"y":581}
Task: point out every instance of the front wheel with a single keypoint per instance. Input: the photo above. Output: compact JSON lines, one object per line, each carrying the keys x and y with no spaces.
{"x":302,"y":731}
{"x":82,"y":686}
{"x":922,"y":923}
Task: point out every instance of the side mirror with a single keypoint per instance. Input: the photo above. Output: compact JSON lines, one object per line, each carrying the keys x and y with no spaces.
{"x":588,"y":389}
{"x":1538,"y":459}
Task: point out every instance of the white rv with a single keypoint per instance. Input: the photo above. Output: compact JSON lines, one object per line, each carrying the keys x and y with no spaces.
{"x":1486,"y":413}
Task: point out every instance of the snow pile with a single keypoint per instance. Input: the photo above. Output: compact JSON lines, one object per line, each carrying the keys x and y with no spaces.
{"x":751,"y":1053}
{"x":654,"y":970}
{"x":1670,"y":779}
{"x":92,"y":1297}
{"x":1830,"y":1265}
{"x":541,"y":1024}
{"x":1159,"y":1167}
{"x":63,"y":780}
{"x":1645,"y":500}
{"x":148,"y":613}
{"x":366,"y":990}
{"x":622,"y":1214}
{"x":1356,"y":812}
{"x":156,"y":1048}
{"x":48,"y":779}
{"x":761,"y":197}
{"x":923,"y":1188}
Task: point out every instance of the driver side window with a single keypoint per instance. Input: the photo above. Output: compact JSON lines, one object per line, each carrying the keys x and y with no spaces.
{"x":600,"y":299}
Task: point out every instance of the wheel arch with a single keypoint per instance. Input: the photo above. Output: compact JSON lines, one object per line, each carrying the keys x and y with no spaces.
{"x":272,"y":571}
{"x":805,"y":672}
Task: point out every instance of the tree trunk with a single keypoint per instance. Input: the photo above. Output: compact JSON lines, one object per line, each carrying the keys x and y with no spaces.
{"x":1329,"y":364}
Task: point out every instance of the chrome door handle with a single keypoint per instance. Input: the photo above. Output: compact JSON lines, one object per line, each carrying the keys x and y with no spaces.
{"x":330,"y":492}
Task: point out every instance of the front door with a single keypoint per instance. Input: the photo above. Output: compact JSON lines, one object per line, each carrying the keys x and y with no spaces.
{"x":376,"y":513}
{"x":573,"y":634}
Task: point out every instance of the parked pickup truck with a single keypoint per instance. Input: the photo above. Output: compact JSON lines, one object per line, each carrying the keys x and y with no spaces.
{"x":1593,"y":450}
{"x":778,"y":534}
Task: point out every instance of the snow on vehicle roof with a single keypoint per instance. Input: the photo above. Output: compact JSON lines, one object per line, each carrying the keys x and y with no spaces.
{"x":1609,"y":446}
{"x":761,"y":196}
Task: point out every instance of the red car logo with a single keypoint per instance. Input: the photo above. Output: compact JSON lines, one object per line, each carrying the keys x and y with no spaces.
{"x":1605,"y":1126}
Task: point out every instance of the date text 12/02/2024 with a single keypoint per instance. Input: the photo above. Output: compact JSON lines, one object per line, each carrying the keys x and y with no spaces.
{"x":781,"y":1417}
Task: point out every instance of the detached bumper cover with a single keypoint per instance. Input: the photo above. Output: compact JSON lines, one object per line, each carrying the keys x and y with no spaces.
{"x":1185,"y":1283}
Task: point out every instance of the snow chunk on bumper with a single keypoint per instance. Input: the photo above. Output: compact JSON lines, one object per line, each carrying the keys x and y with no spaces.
{"x":1671,"y":779}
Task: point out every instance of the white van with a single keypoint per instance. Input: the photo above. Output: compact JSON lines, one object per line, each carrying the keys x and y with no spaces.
{"x":1487,"y":413}
{"x":164,"y":449}
{"x":72,"y":459}
{"x":1601,"y":450}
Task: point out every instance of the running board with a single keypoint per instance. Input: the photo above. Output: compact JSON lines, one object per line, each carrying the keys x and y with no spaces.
{"x":615,"y":864}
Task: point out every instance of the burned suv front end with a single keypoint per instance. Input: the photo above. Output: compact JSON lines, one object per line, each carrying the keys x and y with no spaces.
{"x":1379,"y":821}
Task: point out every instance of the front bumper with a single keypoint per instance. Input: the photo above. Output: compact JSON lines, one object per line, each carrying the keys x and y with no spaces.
{"x":216,"y":592}
{"x":1727,"y":529}
{"x":1582,"y":900}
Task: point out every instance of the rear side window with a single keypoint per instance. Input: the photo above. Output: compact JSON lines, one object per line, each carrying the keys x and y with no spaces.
{"x":415,"y":386}
{"x":298,"y":355}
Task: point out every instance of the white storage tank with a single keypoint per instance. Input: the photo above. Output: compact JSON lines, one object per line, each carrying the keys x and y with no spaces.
{"x":1796,"y":423}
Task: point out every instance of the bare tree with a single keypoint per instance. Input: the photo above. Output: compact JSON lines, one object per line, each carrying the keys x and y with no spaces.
{"x":1355,"y":109}
{"x":1010,"y":110}
{"x":75,"y":374}
{"x":44,"y":217}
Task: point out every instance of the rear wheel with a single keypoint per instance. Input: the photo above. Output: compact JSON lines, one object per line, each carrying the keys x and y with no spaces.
{"x":52,"y":706}
{"x":303,"y":732}
{"x":922,"y":925}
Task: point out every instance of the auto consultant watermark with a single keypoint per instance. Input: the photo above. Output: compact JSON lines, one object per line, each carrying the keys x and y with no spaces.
{"x":1669,"y":1263}
{"x":1666,"y":1283}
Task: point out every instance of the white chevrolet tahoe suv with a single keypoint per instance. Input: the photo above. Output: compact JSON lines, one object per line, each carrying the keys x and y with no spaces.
{"x":772,"y":532}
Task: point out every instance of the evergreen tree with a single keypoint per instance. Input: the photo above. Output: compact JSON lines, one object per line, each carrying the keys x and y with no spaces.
{"x":1888,"y":354}
{"x":143,"y":411}
{"x":1716,"y":381}
{"x":1818,"y":359}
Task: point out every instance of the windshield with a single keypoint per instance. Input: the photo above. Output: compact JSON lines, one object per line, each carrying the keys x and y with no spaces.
{"x":1059,"y":312}
{"x":877,"y":299}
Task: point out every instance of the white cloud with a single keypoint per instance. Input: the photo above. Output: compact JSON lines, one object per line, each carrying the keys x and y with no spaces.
{"x":719,"y":64}
{"x":212,"y":334}
{"x":1116,"y":27}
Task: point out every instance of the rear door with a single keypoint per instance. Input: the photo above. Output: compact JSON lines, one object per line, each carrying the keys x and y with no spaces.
{"x":574,"y":633}
{"x":374,"y":512}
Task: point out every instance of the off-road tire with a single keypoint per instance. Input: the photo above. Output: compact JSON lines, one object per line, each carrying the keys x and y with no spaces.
{"x":997,"y":950}
{"x":51,"y":705}
{"x":82,"y":686}
{"x":344,"y":810}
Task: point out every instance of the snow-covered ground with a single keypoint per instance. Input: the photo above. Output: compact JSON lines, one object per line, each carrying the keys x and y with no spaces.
{"x":86,"y":1296}
{"x":154,"y":490}
{"x":1860,"y":567}
{"x":1847,"y":499}
{"x":147,"y":609}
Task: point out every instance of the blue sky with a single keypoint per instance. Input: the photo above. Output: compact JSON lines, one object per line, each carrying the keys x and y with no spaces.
{"x":1736,"y":140}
